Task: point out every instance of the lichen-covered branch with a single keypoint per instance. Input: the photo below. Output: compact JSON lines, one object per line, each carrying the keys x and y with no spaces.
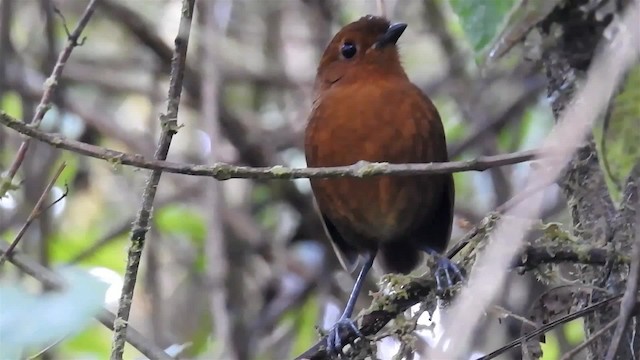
{"x":223,"y":171}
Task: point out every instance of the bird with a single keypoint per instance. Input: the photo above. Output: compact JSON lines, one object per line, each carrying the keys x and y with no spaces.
{"x":365,"y":108}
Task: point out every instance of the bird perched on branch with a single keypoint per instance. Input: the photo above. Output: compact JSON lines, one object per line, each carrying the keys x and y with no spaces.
{"x":366,"y":108}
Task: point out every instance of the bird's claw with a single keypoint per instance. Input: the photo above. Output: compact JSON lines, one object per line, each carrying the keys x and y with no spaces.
{"x":334,"y":342}
{"x":445,"y":268}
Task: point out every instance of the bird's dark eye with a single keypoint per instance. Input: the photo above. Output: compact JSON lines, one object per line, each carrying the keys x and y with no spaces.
{"x":348,"y":50}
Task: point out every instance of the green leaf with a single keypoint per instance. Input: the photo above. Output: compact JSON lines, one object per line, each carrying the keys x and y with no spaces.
{"x":481,"y":19}
{"x":31,"y":322}
{"x":65,"y":246}
{"x":181,"y":220}
{"x":619,"y":149}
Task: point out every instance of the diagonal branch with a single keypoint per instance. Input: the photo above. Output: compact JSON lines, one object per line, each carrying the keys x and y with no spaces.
{"x":140,"y":227}
{"x":37,"y":210}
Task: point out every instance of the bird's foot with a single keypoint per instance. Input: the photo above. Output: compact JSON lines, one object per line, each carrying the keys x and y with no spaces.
{"x":447,"y":269}
{"x":446,"y":272}
{"x":334,"y":342}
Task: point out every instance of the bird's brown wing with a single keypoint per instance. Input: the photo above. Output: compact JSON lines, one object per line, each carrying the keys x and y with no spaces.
{"x":435,"y":228}
{"x":432,"y":217}
{"x":347,"y":254}
{"x":435,"y":231}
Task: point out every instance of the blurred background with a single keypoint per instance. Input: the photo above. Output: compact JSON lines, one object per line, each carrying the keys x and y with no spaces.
{"x":277,"y":275}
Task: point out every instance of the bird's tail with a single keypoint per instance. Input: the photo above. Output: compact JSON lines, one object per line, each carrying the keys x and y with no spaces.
{"x":399,"y":257}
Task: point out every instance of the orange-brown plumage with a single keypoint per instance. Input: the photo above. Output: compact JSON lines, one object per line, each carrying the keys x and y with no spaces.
{"x":366,"y":108}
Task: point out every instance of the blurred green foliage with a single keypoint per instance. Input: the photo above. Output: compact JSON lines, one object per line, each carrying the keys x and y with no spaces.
{"x":11,"y":104}
{"x":177,"y":219}
{"x":181,"y":220}
{"x":94,"y":340}
{"x":305,"y":324}
{"x":32,"y":323}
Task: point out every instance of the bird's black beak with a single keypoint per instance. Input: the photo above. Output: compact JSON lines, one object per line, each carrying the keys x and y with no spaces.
{"x":391,"y":36}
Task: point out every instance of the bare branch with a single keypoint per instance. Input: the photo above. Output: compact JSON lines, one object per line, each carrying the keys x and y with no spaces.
{"x":223,"y":171}
{"x":169,"y":123}
{"x":50,"y":86}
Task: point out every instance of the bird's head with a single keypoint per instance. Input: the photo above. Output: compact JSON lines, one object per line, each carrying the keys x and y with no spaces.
{"x":366,"y":47}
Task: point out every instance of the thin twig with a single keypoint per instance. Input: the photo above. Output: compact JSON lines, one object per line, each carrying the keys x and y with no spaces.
{"x":60,"y":198}
{"x":35,"y":212}
{"x":503,"y":313}
{"x":51,"y":280}
{"x":223,"y":171}
{"x":50,"y":86}
{"x":169,"y":123}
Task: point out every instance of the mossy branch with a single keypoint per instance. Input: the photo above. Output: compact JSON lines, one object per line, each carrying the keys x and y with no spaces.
{"x":398,"y":293}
